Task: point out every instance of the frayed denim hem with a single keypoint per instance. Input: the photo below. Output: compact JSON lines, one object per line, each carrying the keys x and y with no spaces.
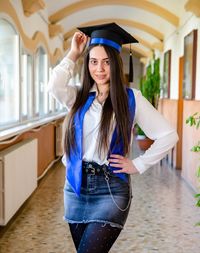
{"x":104,"y":223}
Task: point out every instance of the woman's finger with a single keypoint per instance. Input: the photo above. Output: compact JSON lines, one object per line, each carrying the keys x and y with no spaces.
{"x":115,"y":161}
{"x":116,"y":165}
{"x":118,"y":171}
{"x":117,"y":156}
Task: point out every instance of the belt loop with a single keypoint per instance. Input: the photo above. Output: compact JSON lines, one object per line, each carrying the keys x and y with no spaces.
{"x":93,"y":171}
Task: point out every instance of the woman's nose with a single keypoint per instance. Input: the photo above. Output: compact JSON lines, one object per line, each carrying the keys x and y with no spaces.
{"x":100,"y":66}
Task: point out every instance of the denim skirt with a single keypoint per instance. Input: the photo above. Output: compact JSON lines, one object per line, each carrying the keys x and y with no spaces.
{"x":104,"y":197}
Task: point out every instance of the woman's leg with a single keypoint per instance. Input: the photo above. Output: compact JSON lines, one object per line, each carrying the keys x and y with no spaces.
{"x":98,"y":238}
{"x":77,"y":230}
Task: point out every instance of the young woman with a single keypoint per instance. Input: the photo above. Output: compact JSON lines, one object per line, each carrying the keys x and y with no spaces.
{"x":102,"y":114}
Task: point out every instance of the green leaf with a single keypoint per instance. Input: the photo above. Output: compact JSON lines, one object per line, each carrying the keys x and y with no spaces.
{"x":193,"y":121}
{"x":197,"y":224}
{"x":187,"y":121}
{"x":194,"y":149}
{"x":198,"y":203}
{"x":198,"y":124}
{"x":198,"y":172}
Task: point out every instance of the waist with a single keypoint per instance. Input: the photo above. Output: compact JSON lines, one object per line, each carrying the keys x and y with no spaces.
{"x":94,"y":168}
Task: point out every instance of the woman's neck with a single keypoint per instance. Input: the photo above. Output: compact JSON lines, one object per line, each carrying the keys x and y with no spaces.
{"x":103,"y":91}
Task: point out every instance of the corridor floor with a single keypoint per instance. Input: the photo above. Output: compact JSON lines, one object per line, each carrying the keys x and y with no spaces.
{"x":162,"y":217}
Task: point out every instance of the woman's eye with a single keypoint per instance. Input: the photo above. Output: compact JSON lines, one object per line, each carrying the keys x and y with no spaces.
{"x":93,"y":62}
{"x":107,"y":62}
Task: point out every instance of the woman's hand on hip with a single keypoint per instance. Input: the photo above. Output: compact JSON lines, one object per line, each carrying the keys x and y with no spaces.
{"x":78,"y":45}
{"x":124,"y":164}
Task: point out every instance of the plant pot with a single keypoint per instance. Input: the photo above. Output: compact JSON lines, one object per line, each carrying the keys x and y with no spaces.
{"x":144,"y":142}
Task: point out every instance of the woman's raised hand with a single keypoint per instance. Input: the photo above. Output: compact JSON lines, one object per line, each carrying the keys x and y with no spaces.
{"x":78,"y":44}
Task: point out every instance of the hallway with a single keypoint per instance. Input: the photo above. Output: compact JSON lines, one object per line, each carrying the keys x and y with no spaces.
{"x":162,"y":56}
{"x":161,"y":218}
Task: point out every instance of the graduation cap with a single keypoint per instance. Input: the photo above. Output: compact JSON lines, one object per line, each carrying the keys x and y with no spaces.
{"x":112,"y":35}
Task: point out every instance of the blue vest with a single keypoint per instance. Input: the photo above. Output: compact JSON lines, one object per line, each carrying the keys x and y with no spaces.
{"x":74,"y":161}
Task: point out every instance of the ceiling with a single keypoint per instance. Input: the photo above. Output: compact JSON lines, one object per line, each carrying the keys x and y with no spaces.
{"x":149,"y":21}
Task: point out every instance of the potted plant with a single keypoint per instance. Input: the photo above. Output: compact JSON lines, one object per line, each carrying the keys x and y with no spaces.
{"x":194,"y":121}
{"x":150,"y":89}
{"x":143,"y":141}
{"x":150,"y":84}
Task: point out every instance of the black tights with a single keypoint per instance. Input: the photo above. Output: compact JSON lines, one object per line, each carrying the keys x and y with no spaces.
{"x":93,"y":237}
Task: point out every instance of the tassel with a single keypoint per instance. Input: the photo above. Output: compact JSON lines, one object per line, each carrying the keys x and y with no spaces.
{"x":130,"y":78}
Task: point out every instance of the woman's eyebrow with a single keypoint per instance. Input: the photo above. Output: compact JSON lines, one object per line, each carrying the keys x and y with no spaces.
{"x":93,"y":58}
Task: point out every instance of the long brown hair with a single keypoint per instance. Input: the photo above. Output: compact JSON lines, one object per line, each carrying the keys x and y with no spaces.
{"x":116,"y":103}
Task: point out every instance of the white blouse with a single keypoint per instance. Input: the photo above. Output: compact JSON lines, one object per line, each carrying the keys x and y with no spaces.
{"x":154,"y":125}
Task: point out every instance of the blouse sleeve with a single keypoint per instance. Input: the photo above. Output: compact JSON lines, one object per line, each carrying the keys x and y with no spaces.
{"x":59,"y":84}
{"x":157,"y":128}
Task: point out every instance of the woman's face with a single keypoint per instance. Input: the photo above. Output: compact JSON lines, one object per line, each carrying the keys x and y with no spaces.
{"x":99,"y":65}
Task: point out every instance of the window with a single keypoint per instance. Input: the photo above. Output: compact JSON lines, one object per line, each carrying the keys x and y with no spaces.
{"x":166,"y":75}
{"x":23,"y":81}
{"x":9,"y":75}
{"x":190,"y":54}
{"x":26,"y":86}
{"x":51,"y":99}
{"x":55,"y":106}
{"x":41,"y":79}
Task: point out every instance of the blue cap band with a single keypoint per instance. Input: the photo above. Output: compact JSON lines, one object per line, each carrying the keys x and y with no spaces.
{"x":105,"y":42}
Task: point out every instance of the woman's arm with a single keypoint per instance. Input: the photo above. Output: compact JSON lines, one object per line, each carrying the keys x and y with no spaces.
{"x":59,"y":84}
{"x":157,"y":128}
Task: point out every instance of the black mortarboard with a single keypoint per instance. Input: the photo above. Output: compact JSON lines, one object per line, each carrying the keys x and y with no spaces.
{"x":112,"y":35}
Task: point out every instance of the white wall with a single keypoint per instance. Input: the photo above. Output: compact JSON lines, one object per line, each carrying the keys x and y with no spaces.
{"x":175,"y":42}
{"x":36,"y":22}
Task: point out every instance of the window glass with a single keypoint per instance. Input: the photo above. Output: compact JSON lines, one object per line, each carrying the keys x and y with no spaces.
{"x":51,"y":99}
{"x":54,"y":106}
{"x":40,"y":88}
{"x":26,"y":86}
{"x":59,"y":107}
{"x":9,"y":75}
{"x":190,"y":58}
{"x":166,"y":75}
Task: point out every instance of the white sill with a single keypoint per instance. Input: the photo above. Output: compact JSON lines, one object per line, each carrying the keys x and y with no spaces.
{"x":8,"y":133}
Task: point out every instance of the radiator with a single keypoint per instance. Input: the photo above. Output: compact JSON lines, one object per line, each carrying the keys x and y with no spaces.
{"x":18,"y":177}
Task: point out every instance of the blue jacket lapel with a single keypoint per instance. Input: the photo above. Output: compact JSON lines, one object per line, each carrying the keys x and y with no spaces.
{"x":118,"y":149}
{"x":74,"y":162}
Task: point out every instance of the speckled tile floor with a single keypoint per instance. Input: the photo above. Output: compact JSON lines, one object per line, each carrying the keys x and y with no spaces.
{"x":161,"y":218}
